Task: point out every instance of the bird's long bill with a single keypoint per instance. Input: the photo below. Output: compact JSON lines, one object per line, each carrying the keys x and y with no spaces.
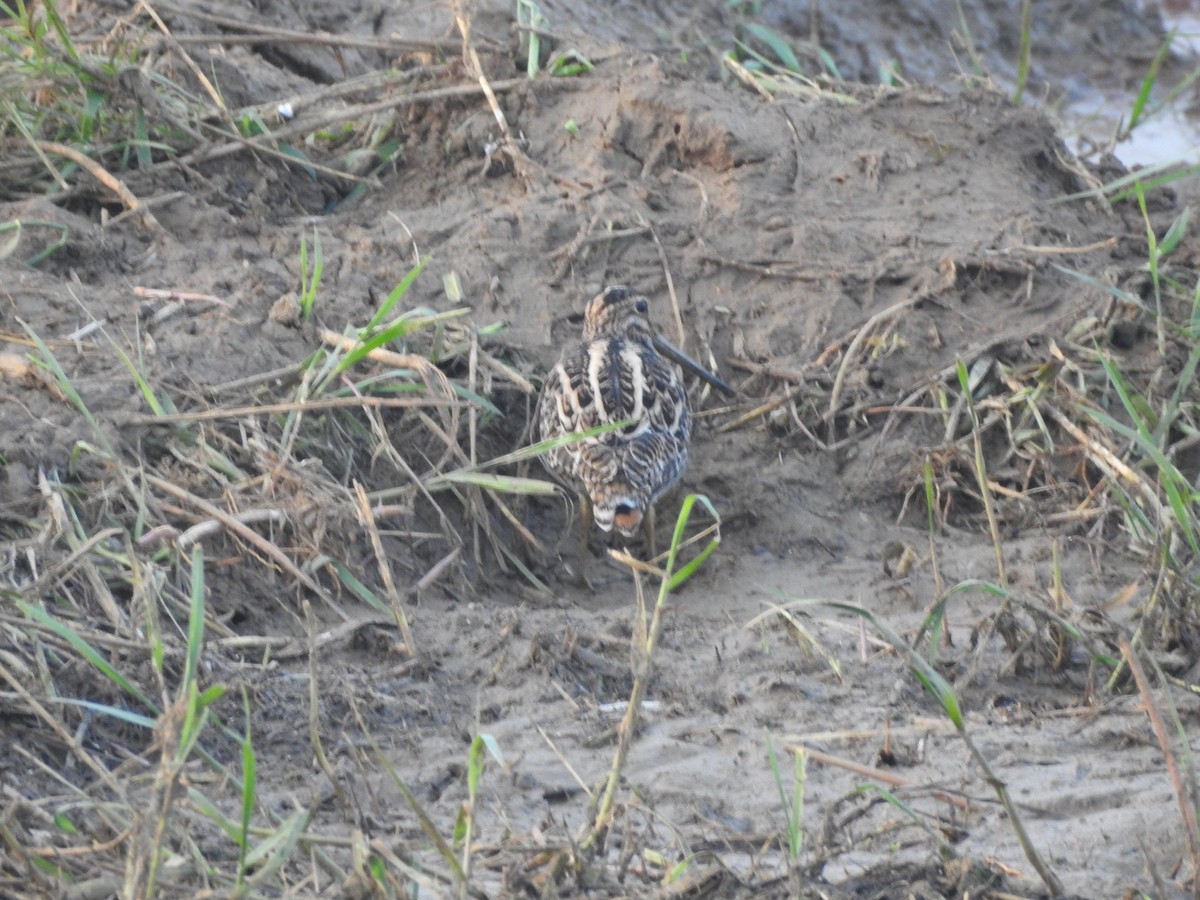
{"x":690,"y":365}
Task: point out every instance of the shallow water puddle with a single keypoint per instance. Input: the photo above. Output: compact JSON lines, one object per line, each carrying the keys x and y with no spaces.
{"x":1094,"y":115}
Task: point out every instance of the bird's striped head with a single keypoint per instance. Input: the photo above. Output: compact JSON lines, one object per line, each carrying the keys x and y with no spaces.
{"x":617,"y":311}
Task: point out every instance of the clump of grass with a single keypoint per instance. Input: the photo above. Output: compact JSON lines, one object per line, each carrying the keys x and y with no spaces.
{"x":793,"y":806}
{"x":536,"y":44}
{"x":81,"y":113}
{"x":768,"y":63}
{"x":310,"y":278}
{"x":981,"y":472}
{"x":947,"y":699}
{"x":127,"y":549}
{"x":1144,"y":107}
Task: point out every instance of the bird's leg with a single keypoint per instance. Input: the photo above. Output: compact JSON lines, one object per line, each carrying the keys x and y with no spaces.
{"x":579,"y":575}
{"x":650,"y":535}
{"x":585,"y":525}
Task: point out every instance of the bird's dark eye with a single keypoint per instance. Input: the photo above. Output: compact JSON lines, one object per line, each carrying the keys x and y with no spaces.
{"x":642,"y":306}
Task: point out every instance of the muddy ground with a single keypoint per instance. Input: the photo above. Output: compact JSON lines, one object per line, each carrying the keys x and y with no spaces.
{"x":833,"y":251}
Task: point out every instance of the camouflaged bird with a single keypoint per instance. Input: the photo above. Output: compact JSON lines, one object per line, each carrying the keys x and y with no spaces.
{"x":621,"y":372}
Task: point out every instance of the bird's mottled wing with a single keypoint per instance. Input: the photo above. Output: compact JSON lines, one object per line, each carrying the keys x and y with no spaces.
{"x":603,"y":382}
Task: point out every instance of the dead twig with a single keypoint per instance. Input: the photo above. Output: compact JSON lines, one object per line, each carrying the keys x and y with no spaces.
{"x":102,"y":175}
{"x":238,"y":412}
{"x":1169,"y":757}
{"x":367,"y":518}
{"x":955,"y":800}
{"x":301,"y":127}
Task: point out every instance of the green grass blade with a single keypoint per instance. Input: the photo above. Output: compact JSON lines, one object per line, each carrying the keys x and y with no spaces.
{"x":143,"y":385}
{"x":1123,"y":296}
{"x":829,"y":63}
{"x":1150,"y":176}
{"x":493,"y":747}
{"x":114,"y":712}
{"x":535,"y":450}
{"x":277,"y":849}
{"x":50,"y":361}
{"x":445,"y":851}
{"x":929,"y":677}
{"x":776,"y":44}
{"x":51,"y":9}
{"x":1175,"y":233}
{"x":677,"y":577}
{"x":38,"y":614}
{"x":1023,"y":53}
{"x":911,"y":814}
{"x":400,"y":328}
{"x":212,"y":812}
{"x":505,"y":484}
{"x":1143,"y":97}
{"x":249,"y":782}
{"x":475,"y":761}
{"x":398,"y":292}
{"x":360,"y":590}
{"x":195,"y":640}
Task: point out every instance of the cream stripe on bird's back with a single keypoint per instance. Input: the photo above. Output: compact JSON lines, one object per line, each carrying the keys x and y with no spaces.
{"x":634,"y":390}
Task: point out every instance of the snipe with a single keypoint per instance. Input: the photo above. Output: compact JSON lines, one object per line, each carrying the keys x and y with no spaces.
{"x":621,"y":371}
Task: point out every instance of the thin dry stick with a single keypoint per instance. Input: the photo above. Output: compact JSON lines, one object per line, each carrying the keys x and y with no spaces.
{"x":742,"y":74}
{"x":471,"y":58}
{"x":762,"y":409}
{"x":371,"y":83}
{"x":879,"y":775}
{"x":934,"y":284}
{"x":291,"y":429}
{"x":851,"y":353}
{"x":63,"y":568}
{"x":625,"y":730}
{"x":58,"y":511}
{"x":472,"y":422}
{"x":56,"y":725}
{"x":141,"y":873}
{"x":782,"y":270}
{"x":167,"y":294}
{"x":1164,"y":744}
{"x":285,"y":157}
{"x":314,"y":708}
{"x":213,"y":93}
{"x":662,"y":257}
{"x":430,"y":373}
{"x":238,"y":412}
{"x":1106,"y":244}
{"x":566,"y":763}
{"x":1053,"y":885}
{"x":102,"y":175}
{"x":385,"y":571}
{"x":326,"y":119}
{"x":210,"y":527}
{"x":522,"y":383}
{"x":300,"y":37}
{"x":1109,"y":463}
{"x":986,"y":494}
{"x":779,"y":373}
